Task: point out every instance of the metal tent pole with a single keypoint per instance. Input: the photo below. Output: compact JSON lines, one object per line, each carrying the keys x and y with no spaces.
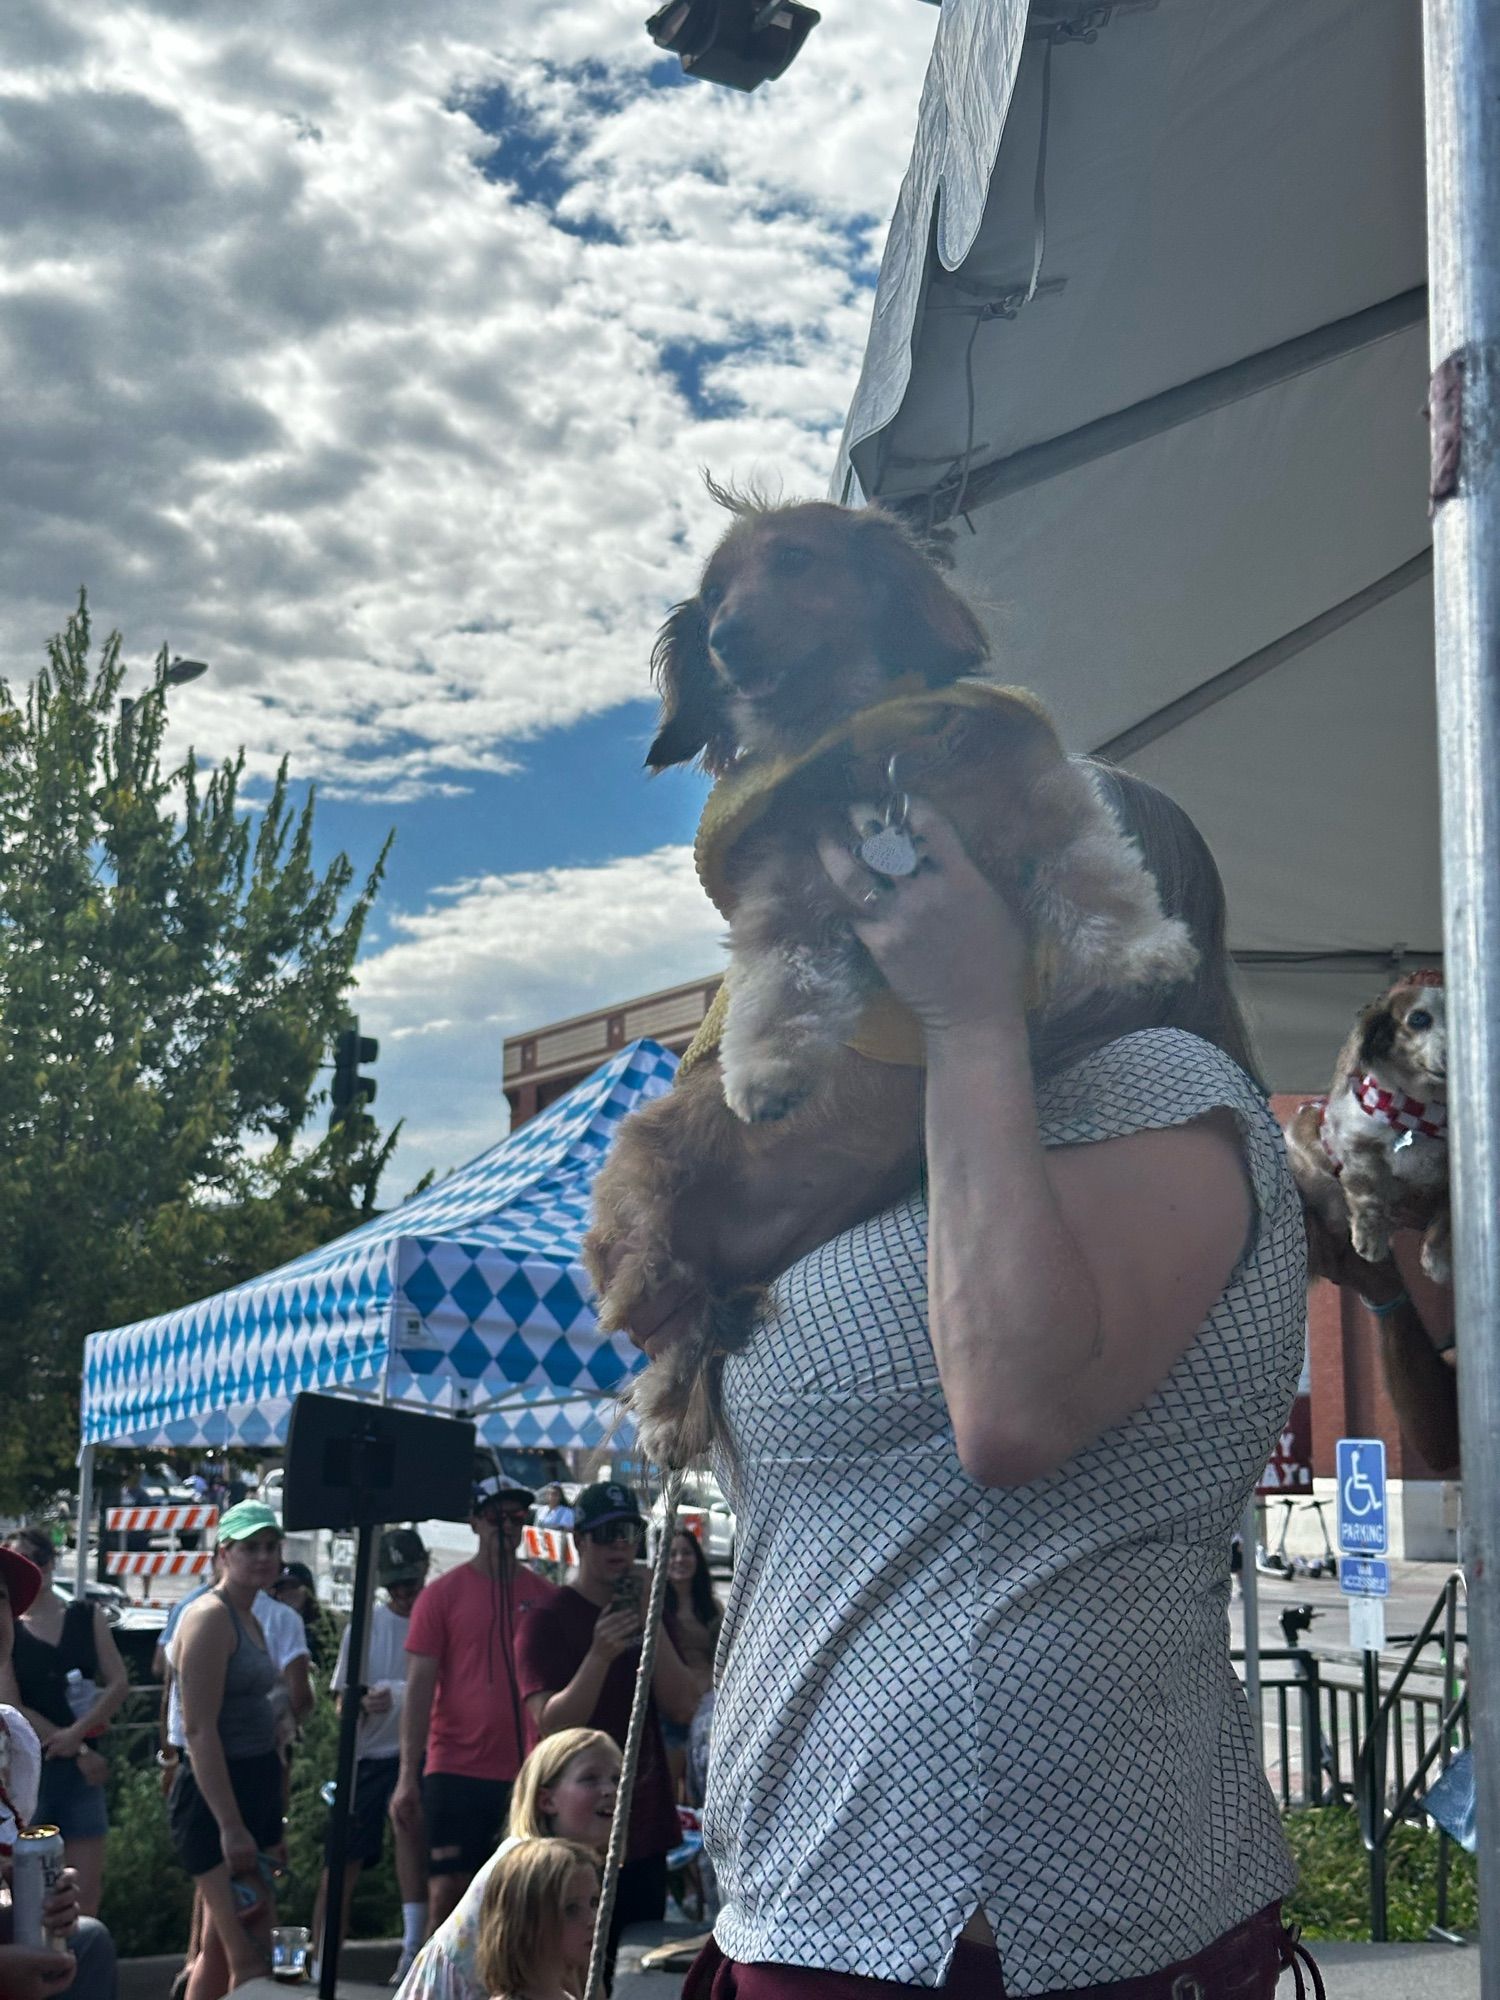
{"x":1462,"y":54}
{"x":85,"y":1521}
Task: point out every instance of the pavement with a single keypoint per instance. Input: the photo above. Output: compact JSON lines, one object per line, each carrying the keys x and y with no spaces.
{"x":1350,"y":1972}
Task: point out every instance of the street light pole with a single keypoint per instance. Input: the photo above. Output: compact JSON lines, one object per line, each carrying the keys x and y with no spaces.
{"x":1461,"y":41}
{"x":174,"y":674}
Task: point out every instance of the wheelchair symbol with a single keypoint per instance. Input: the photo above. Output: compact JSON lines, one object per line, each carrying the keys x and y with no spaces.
{"x":1358,"y":1484}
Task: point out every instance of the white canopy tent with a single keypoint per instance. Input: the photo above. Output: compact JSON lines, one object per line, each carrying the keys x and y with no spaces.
{"x":1151,"y":333}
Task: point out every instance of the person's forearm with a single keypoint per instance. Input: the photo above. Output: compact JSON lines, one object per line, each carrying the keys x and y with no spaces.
{"x":415,"y":1716}
{"x":673,"y":1682}
{"x":1013,"y":1309}
{"x":45,"y":1729}
{"x":1421,"y":1385}
{"x":573,"y":1707}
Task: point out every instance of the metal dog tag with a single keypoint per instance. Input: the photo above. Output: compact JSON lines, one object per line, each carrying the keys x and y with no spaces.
{"x":890,"y":851}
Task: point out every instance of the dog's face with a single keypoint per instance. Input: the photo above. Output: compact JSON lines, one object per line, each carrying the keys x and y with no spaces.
{"x":1403,"y":1037}
{"x":804,"y":615}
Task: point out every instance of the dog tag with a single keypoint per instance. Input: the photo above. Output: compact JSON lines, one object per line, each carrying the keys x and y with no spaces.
{"x":890,"y":851}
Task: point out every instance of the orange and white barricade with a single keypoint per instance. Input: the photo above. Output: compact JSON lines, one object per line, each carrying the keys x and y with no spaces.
{"x":550,"y":1545}
{"x":159,"y":1562}
{"x":159,"y":1520}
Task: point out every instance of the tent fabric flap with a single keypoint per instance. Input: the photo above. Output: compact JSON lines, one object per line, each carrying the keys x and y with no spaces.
{"x":470,"y":1297}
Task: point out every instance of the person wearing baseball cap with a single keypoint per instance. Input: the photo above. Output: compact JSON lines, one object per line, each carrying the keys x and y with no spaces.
{"x":463,"y":1728}
{"x":577,"y":1662}
{"x":401,"y":1565}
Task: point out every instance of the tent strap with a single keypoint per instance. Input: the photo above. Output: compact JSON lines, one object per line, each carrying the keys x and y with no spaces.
{"x":1182,"y":404}
{"x":1208,"y":694}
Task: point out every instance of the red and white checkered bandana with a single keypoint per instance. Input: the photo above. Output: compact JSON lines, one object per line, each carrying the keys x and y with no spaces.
{"x":1394,"y":1107}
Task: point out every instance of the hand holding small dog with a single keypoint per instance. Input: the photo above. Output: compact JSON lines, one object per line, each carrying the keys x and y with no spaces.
{"x":946,"y":942}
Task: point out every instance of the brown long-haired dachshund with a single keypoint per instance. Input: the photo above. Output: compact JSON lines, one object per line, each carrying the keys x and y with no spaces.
{"x":807,"y":618}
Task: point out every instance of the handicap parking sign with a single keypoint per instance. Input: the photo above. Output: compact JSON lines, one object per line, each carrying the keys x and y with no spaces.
{"x":1363,"y":1529}
{"x":1364,"y":1576}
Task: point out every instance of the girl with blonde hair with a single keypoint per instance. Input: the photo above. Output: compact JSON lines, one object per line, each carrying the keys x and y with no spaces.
{"x":537,"y":1921}
{"x":564,"y":1791}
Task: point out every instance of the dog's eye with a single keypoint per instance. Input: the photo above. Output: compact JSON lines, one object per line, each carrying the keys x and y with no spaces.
{"x":710,"y":596}
{"x":791,"y":559}
{"x":1419,"y":1018}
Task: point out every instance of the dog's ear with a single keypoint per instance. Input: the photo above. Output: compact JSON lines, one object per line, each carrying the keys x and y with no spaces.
{"x":921,"y":624}
{"x":693,"y":720}
{"x":1377,"y":1032}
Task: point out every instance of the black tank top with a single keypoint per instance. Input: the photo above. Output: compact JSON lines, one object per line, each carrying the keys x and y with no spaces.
{"x":42,"y":1669}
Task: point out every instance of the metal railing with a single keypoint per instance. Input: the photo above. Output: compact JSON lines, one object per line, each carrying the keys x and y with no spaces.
{"x":1329,"y":1738}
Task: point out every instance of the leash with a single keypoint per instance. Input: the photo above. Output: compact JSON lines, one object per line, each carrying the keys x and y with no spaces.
{"x":619,"y":1831}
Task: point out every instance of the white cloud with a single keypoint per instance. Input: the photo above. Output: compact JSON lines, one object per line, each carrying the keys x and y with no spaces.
{"x":404,"y":450}
{"x":294,"y":385}
{"x":495,"y":956}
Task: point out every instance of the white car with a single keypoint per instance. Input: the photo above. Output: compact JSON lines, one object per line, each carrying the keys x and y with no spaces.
{"x":702,"y":1495}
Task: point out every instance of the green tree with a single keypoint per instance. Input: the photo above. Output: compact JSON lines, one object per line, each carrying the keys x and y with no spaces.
{"x":173,"y":967}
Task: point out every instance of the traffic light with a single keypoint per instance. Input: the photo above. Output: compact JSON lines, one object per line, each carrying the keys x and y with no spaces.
{"x":352,"y":1092}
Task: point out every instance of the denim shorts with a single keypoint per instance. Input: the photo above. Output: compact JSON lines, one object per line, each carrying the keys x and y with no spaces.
{"x":68,"y":1802}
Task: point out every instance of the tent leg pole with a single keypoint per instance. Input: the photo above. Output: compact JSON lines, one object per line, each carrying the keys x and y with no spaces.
{"x":85,"y":1521}
{"x":1462,"y":54}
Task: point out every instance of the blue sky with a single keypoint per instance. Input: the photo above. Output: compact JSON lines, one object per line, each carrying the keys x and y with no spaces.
{"x":371,"y":353}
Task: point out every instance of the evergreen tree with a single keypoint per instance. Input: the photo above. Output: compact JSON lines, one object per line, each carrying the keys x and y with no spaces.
{"x":172,"y":970}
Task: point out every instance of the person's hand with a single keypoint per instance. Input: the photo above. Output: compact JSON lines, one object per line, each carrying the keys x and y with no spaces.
{"x":947,"y":943}
{"x":1334,"y":1257}
{"x":406,"y":1806}
{"x":64,"y":1742}
{"x":240,"y":1851}
{"x":377,"y":1699}
{"x":92,"y":1768}
{"x":34,"y":1975}
{"x":616,"y":1632}
{"x":60,"y":1906}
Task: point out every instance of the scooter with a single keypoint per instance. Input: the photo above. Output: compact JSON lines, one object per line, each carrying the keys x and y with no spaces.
{"x":1276,"y":1562}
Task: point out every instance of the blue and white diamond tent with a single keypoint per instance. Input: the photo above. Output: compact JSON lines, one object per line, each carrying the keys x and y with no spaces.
{"x":469,"y":1298}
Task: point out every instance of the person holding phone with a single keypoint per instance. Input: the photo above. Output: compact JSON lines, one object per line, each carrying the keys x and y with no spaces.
{"x":576,"y":1658}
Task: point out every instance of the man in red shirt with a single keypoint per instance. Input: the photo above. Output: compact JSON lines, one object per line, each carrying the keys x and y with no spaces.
{"x":576,"y":1657}
{"x":464,"y":1731}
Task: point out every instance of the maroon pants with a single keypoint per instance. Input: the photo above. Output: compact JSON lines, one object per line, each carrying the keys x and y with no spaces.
{"x":1244,"y":1964}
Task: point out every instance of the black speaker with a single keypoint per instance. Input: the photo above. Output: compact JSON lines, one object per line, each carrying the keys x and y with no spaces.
{"x":359,"y":1465}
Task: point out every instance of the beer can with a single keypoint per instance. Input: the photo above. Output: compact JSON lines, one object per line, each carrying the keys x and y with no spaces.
{"x":36,"y":1868}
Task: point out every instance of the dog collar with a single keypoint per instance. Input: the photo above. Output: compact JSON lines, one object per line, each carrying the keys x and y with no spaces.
{"x":1393,"y":1107}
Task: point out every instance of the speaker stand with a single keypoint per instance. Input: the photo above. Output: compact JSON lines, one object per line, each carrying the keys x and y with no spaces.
{"x":343,"y":1795}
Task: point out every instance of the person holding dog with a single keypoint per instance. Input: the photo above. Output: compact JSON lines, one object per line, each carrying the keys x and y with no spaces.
{"x":977,"y":1725}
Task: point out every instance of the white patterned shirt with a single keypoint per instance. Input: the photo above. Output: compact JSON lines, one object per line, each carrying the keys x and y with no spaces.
{"x":936,"y":1697}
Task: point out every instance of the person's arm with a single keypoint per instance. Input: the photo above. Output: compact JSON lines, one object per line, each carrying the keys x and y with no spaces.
{"x":421,"y":1686}
{"x":298,"y":1677}
{"x":114,"y":1681}
{"x":1063,"y":1285}
{"x":205,"y":1641}
{"x":673,"y":1682}
{"x":1421,"y":1384}
{"x":572,"y":1706}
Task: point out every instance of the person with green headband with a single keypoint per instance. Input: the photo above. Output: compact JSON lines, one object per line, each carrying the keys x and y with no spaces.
{"x":225,"y":1808}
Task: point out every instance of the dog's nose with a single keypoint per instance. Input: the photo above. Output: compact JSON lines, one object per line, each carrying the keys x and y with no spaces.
{"x":733,"y":646}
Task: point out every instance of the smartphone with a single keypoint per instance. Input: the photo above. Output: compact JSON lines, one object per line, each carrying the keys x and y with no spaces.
{"x":627,"y":1595}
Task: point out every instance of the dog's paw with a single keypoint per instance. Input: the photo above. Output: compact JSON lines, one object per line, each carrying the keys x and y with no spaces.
{"x":1371,"y":1238}
{"x":1437,"y":1261}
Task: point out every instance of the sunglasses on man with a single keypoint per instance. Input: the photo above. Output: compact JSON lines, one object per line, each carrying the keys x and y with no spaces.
{"x":613,"y":1531}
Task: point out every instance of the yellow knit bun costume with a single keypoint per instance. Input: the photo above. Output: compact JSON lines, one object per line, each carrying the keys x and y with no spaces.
{"x":909,"y":723}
